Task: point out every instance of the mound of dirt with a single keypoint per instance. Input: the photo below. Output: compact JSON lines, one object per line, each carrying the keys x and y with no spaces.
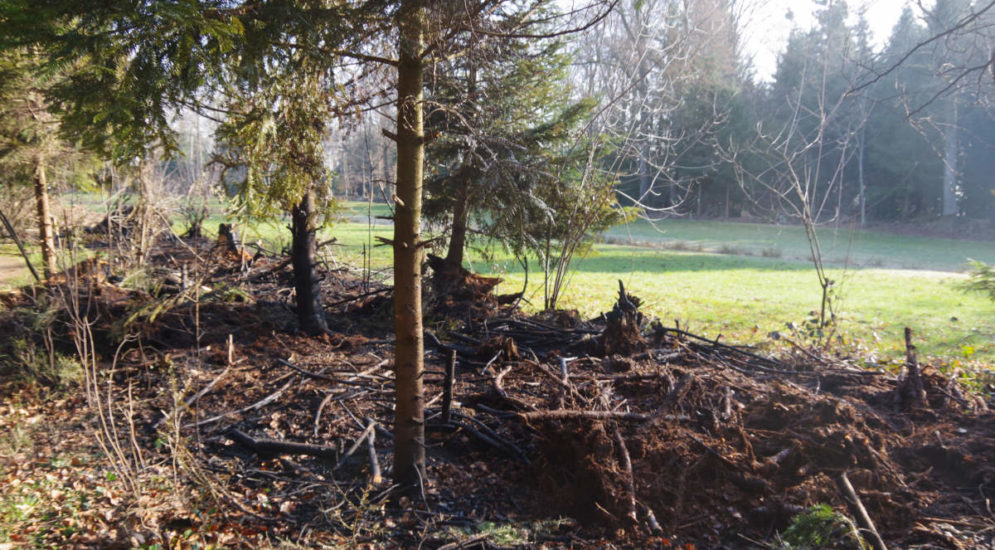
{"x":714,"y":449}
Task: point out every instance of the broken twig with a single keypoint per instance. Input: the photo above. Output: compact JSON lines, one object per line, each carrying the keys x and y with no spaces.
{"x":858,"y":510}
{"x":275,"y":447}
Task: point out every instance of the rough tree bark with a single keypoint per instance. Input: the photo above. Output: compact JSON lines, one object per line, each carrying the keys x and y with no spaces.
{"x":409,"y":412}
{"x":310,"y":314}
{"x":46,"y":231}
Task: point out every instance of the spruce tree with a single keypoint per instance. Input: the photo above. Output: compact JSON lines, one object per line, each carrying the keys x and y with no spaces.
{"x":503,"y":118}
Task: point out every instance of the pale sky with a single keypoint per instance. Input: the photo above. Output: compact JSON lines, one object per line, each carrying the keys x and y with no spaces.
{"x":768,"y":29}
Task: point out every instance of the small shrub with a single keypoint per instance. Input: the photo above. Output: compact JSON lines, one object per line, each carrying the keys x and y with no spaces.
{"x":33,"y":348}
{"x":771,"y":252}
{"x":821,"y":527}
{"x":27,"y":361}
{"x":195,"y":212}
{"x":733,"y":250}
{"x":981,"y":279}
{"x":685,"y":246}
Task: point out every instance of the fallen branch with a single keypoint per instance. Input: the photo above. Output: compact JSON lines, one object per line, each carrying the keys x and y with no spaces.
{"x":195,"y":397}
{"x":335,"y":397}
{"x":573,"y":414}
{"x":258,"y":404}
{"x":630,"y":478}
{"x":319,"y":376}
{"x":562,"y":383}
{"x":359,"y":297}
{"x":433,"y":340}
{"x":490,"y":437}
{"x":355,"y":445}
{"x":20,"y":246}
{"x":804,"y":351}
{"x":499,"y":388}
{"x":651,"y":521}
{"x":317,"y":414}
{"x":375,"y":475}
{"x":658,"y":355}
{"x":471,"y":542}
{"x":447,"y":388}
{"x":858,"y":510}
{"x":277,"y":447}
{"x":283,"y":263}
{"x":491,"y":362}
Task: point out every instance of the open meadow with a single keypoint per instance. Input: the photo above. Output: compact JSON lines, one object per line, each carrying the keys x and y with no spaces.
{"x":720,"y":278}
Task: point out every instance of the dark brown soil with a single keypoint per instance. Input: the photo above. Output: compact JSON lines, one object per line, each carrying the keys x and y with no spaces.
{"x":678,"y":441}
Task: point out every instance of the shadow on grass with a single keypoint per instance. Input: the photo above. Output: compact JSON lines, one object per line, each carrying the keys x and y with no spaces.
{"x":623,"y":261}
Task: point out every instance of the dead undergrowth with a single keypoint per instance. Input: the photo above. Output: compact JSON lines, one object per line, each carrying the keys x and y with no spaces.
{"x":234,"y":430}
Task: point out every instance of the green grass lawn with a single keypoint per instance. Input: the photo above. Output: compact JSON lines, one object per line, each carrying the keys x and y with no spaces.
{"x":746,"y":298}
{"x":840,"y":246}
{"x":886,"y":282}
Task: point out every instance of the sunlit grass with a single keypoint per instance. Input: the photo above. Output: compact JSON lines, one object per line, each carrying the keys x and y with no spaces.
{"x":840,"y":245}
{"x":745,"y":299}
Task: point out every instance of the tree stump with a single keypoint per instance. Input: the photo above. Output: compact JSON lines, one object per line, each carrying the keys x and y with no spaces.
{"x":623,"y":330}
{"x":910,"y":392}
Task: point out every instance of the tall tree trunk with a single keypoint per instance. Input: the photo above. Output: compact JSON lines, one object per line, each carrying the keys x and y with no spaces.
{"x":727,"y":202}
{"x":457,"y":237}
{"x":46,"y":231}
{"x":345,"y":175}
{"x":645,"y":181}
{"x":409,"y":411}
{"x":862,"y":197}
{"x":310,"y":314}
{"x":950,"y":148}
{"x":388,"y":179}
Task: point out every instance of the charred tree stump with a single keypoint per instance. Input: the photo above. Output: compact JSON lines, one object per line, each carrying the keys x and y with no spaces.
{"x":910,"y":392}
{"x":455,"y":282}
{"x":303,"y":253}
{"x":623,"y":334}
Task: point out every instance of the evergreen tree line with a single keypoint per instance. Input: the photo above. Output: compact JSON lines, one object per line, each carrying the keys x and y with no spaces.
{"x":901,"y":133}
